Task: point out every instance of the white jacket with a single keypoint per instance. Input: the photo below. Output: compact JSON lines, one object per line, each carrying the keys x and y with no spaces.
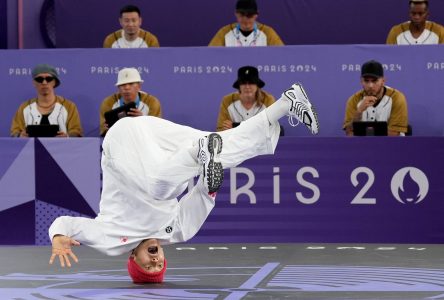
{"x":146,"y":160}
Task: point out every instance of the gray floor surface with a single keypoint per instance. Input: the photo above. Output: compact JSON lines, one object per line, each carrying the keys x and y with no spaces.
{"x":234,"y":271}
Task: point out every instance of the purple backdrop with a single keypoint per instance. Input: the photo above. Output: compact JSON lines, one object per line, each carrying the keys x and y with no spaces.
{"x":190,"y":82}
{"x":312,"y":190}
{"x":83,"y":23}
{"x":41,"y":179}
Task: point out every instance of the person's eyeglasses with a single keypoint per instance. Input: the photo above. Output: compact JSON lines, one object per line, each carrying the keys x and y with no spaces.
{"x":40,"y":79}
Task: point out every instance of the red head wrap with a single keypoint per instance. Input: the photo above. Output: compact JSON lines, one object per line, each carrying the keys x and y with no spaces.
{"x":140,"y":275}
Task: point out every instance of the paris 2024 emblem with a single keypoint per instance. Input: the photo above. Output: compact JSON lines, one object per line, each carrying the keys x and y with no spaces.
{"x":409,"y":185}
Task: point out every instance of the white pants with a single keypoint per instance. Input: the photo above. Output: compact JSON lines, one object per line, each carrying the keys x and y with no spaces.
{"x":153,"y":155}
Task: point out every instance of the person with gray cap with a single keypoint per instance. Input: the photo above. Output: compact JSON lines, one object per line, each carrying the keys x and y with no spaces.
{"x":47,"y":108}
{"x":376,"y":102}
{"x":418,"y":30}
{"x":248,"y":101}
{"x":129,"y":85}
{"x":246,"y":32}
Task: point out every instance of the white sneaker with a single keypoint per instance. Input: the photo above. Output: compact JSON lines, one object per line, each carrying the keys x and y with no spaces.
{"x":301,"y":108}
{"x":209,"y":150}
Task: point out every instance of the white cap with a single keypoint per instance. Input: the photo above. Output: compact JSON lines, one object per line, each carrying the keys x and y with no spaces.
{"x":128,"y":75}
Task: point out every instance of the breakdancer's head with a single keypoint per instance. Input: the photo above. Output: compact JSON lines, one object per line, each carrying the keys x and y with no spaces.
{"x":147,"y":263}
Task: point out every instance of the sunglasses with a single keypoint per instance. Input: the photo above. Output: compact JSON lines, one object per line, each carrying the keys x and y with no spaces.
{"x":40,"y":79}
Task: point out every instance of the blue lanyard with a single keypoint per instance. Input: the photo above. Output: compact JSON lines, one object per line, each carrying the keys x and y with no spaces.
{"x":238,"y":33}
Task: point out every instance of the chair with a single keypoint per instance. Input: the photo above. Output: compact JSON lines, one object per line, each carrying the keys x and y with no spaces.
{"x":409,"y":130}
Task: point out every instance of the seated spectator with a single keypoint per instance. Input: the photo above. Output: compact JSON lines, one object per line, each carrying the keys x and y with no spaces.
{"x":376,"y":102}
{"x":129,"y":90}
{"x":418,"y":30}
{"x":246,"y":32}
{"x":131,"y":35}
{"x":247,"y":102}
{"x":47,"y":108}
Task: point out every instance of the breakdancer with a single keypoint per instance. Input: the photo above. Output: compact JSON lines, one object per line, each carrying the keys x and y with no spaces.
{"x":147,"y":163}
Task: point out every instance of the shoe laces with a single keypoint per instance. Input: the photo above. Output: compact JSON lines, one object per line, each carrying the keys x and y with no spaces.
{"x":291,"y":121}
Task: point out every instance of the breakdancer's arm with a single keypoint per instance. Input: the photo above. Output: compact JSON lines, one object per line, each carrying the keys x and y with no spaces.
{"x":194,"y":208}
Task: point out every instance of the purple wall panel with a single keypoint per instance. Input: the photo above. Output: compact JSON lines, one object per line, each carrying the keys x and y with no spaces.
{"x":17,"y":225}
{"x":337,"y":213}
{"x":312,"y":190}
{"x":194,"y":22}
{"x":35,"y":191}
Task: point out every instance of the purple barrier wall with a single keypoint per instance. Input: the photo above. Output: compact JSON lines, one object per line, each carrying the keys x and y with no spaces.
{"x":190,"y":82}
{"x":41,"y":179}
{"x":83,"y":23}
{"x":312,"y":190}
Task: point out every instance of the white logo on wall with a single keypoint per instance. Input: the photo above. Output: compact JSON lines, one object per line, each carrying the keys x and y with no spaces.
{"x":105,"y":70}
{"x":435,"y":66}
{"x":409,"y":185}
{"x":27,"y":71}
{"x":390,"y":67}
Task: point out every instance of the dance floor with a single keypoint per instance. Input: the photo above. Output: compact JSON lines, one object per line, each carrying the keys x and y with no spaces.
{"x":234,"y":271}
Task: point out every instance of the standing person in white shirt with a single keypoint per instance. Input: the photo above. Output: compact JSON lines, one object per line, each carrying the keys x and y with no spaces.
{"x":147,"y":163}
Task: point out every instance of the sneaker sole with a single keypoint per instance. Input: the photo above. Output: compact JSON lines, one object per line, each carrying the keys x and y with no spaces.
{"x":215,"y":171}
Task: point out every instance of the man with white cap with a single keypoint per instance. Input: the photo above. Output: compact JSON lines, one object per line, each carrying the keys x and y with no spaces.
{"x":129,"y":90}
{"x":418,"y":30}
{"x":147,"y":163}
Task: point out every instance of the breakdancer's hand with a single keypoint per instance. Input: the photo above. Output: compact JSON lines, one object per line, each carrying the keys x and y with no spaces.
{"x":61,"y":247}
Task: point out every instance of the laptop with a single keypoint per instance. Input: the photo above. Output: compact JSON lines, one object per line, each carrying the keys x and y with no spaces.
{"x":370,"y":128}
{"x":42,"y":130}
{"x":114,"y":115}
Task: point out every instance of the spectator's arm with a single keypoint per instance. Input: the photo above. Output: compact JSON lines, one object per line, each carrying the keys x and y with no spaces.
{"x":73,"y":125}
{"x":391,"y":38}
{"x":223,"y":115}
{"x":351,"y":114}
{"x":18,"y":125}
{"x":273,"y":39}
{"x":398,"y":120}
{"x":219,"y":38}
{"x":155,"y":107}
